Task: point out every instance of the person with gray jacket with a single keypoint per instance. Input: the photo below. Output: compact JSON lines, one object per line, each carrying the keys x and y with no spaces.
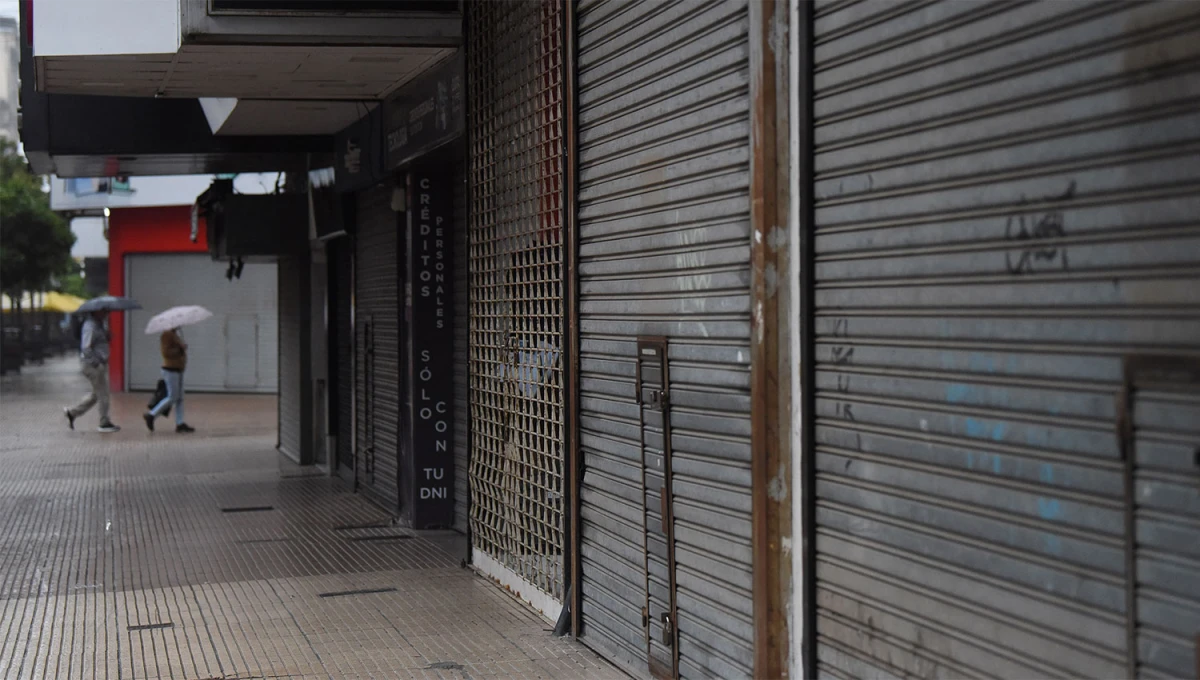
{"x":93,"y":360}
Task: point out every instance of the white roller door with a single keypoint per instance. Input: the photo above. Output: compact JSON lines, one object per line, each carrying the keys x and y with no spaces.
{"x":235,"y":351}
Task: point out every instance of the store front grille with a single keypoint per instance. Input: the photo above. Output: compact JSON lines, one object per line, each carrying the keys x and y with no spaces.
{"x":515,"y":86}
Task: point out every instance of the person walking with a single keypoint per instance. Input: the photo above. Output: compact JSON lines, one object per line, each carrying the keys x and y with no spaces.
{"x":174,"y":354}
{"x":93,"y":360}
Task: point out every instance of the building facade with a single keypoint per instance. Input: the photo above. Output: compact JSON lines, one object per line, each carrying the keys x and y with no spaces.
{"x":745,"y":339}
{"x":10,"y":87}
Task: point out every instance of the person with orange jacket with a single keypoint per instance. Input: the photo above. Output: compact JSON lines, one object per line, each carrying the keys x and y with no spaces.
{"x":174,"y":354}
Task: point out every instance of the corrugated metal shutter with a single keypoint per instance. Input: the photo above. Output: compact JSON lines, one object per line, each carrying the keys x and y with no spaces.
{"x":1005,"y":206}
{"x":341,"y":280}
{"x":235,"y":351}
{"x":665,"y":250}
{"x":377,"y":307}
{"x":291,"y":369}
{"x":1162,"y":414}
{"x":515,"y":89}
{"x":462,"y":353}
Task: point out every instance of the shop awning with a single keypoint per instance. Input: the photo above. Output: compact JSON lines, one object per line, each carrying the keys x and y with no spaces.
{"x":52,"y":302}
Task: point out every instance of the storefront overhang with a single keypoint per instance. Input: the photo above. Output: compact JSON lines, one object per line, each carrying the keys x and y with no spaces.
{"x":246,"y":117}
{"x":248,"y":50}
{"x":98,"y":136}
{"x":82,"y":136}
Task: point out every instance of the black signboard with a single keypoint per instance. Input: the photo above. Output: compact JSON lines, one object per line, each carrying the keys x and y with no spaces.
{"x":359,"y":153}
{"x":426,"y":113}
{"x":431,"y":352}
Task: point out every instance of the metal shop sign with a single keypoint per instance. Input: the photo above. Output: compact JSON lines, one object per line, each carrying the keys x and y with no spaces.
{"x":431,"y":314}
{"x":425,"y":114}
{"x":359,"y":154}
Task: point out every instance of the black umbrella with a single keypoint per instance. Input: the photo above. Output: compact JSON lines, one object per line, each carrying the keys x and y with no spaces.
{"x":108,"y":303}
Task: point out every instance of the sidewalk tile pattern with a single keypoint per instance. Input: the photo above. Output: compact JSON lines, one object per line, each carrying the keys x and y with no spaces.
{"x":147,"y":556}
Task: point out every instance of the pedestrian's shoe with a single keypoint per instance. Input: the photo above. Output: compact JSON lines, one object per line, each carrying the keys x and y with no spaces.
{"x":184,"y":428}
{"x":107,"y":426}
{"x":70,"y":417}
{"x":149,"y":421}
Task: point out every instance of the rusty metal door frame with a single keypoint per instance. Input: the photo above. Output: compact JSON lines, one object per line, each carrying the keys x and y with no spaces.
{"x":658,"y":398}
{"x":770,"y":392}
{"x":574,"y":479}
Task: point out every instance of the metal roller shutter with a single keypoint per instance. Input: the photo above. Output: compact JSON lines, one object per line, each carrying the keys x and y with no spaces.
{"x":665,"y":250}
{"x":341,"y":287}
{"x":462,"y":353}
{"x":292,"y":414}
{"x":377,"y":310}
{"x":1005,"y":208}
{"x":515,"y":89}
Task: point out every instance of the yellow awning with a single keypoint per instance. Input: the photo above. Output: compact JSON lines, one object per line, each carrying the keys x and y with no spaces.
{"x":54,"y":302}
{"x":62,"y":302}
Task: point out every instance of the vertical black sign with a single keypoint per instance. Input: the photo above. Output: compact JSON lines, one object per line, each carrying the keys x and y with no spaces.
{"x":431,"y":311}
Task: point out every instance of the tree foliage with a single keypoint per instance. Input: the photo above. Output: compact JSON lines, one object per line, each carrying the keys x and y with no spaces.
{"x":72,"y":283}
{"x":35,"y":242}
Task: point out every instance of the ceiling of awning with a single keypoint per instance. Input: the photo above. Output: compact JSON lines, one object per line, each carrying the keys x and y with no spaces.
{"x":244,"y":72}
{"x":174,"y":164}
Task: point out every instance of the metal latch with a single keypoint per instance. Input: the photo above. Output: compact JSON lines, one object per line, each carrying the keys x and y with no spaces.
{"x":659,"y":399}
{"x":668,"y":630}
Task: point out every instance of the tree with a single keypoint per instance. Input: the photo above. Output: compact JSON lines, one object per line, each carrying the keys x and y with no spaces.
{"x":35,"y":242}
{"x":72,"y":283}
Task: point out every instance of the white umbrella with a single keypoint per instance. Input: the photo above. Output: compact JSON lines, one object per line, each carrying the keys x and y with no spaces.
{"x":176,"y":317}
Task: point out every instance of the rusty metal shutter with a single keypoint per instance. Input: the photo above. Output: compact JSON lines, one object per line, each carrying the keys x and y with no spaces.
{"x":377,"y":311}
{"x":462,"y":353}
{"x":515,"y":90}
{"x":1005,"y":208}
{"x":291,"y":272}
{"x":664,"y":224}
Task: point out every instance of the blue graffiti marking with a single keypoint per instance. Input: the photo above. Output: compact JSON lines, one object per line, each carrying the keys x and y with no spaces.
{"x":981,"y":429}
{"x":956,"y":393}
{"x":1046,"y":473}
{"x":1049,"y":508}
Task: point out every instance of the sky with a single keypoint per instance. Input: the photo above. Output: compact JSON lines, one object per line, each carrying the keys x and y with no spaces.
{"x":10,"y":8}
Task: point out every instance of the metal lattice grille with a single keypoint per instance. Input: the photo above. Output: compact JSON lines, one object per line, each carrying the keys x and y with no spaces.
{"x":515,"y":86}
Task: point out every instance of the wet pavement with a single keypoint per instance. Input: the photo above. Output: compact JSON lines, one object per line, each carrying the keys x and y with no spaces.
{"x":138,"y":555}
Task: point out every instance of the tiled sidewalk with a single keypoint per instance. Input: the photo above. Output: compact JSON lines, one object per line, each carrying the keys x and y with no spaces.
{"x":207,"y":556}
